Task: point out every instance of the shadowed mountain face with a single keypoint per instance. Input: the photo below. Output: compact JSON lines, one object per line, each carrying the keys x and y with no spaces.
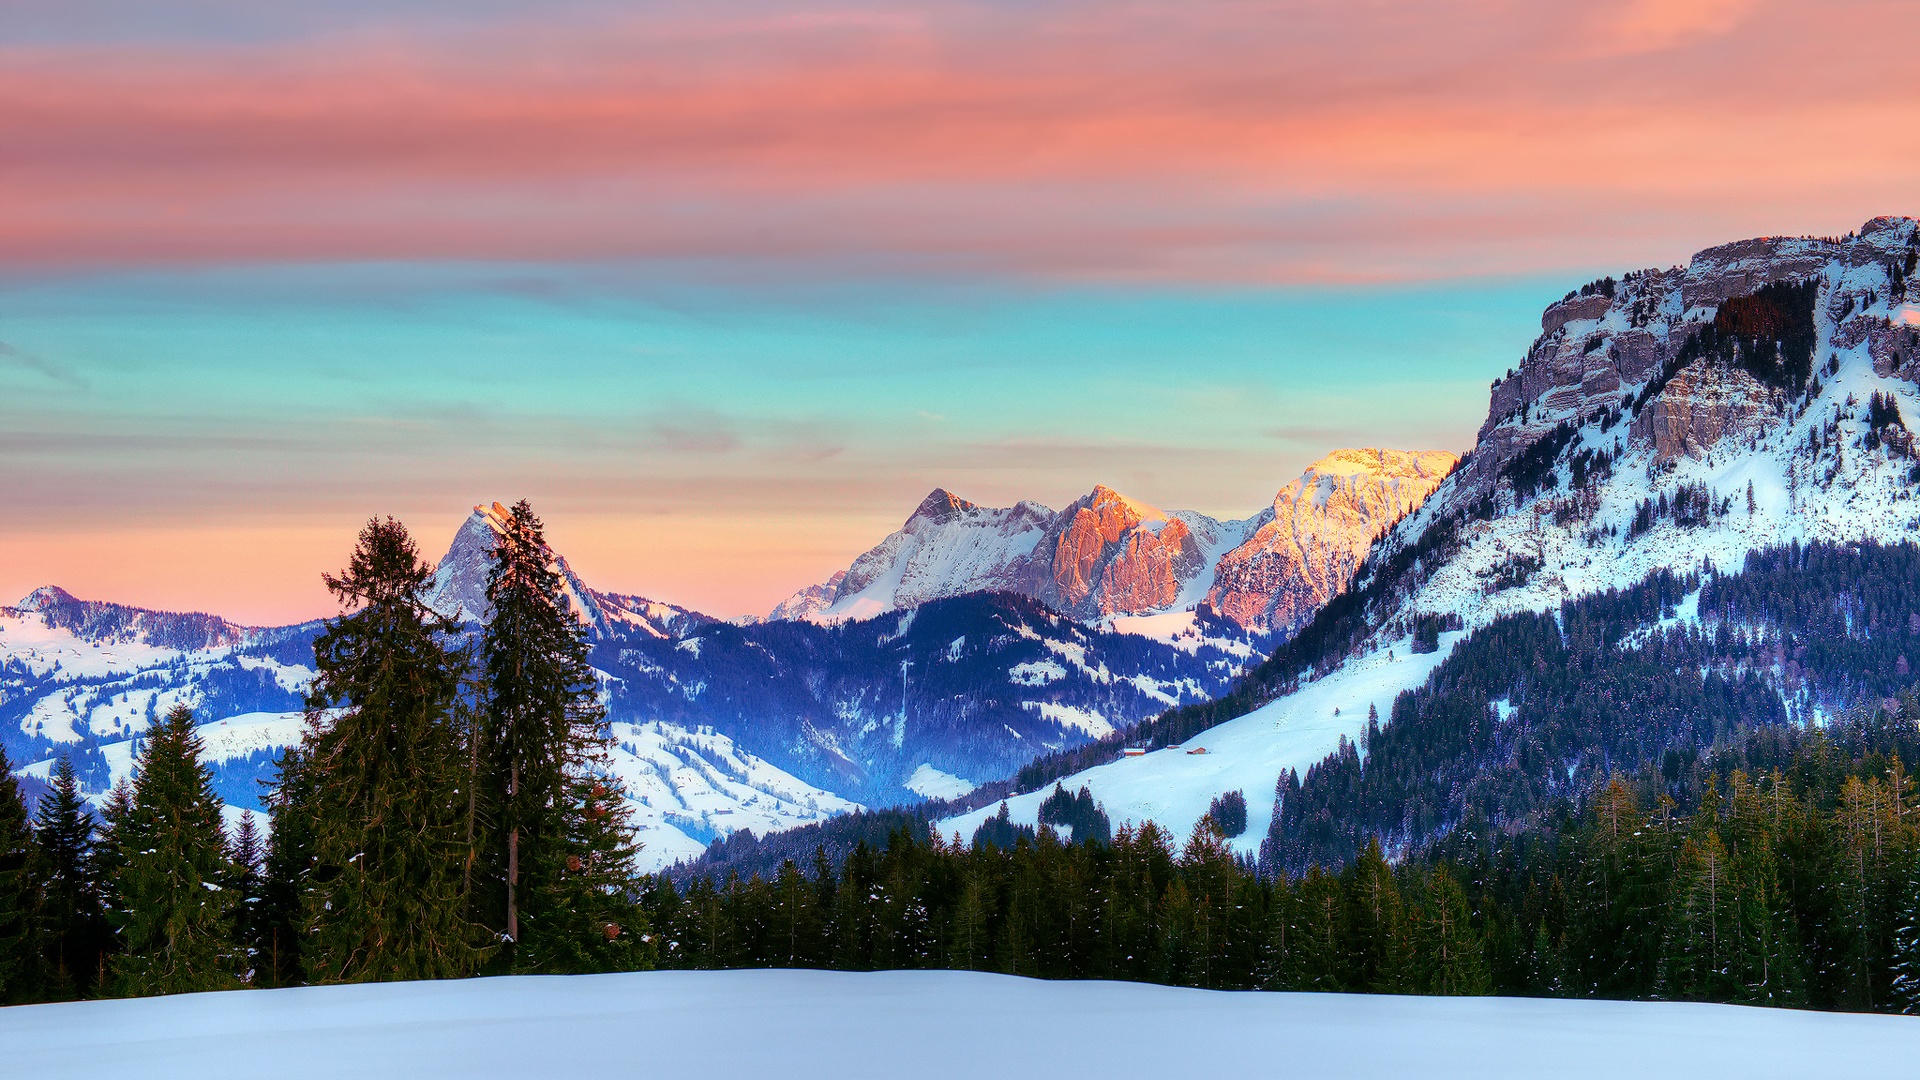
{"x":1106,"y":555}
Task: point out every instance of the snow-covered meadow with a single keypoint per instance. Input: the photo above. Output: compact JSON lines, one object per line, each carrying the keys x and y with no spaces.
{"x":799,"y":1025}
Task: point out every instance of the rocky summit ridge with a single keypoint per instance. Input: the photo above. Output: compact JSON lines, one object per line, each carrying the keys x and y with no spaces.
{"x":1107,"y":555}
{"x":1755,"y":397}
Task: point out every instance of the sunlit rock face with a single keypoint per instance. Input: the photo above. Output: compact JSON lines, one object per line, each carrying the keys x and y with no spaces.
{"x":1106,"y":555}
{"x":1702,"y":406}
{"x":1306,"y":547}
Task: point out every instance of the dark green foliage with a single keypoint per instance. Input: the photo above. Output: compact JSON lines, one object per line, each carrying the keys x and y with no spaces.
{"x":279,"y":926}
{"x":1077,"y":812}
{"x":1793,"y":889}
{"x":1228,"y":812}
{"x":19,"y":898}
{"x":381,"y":779}
{"x":168,"y":897}
{"x":1533,"y":468}
{"x":72,"y":923}
{"x":1769,"y":333}
{"x":247,"y":854}
{"x":557,"y":853}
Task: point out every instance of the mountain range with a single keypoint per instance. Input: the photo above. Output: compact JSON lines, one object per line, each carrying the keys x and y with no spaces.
{"x":1106,"y":555}
{"x":985,"y":652}
{"x":1687,"y":516}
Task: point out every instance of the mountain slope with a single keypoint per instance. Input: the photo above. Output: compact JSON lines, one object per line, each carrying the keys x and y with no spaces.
{"x":1671,"y":438}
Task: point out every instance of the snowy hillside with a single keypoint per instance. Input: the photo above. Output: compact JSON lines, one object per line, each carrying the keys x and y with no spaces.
{"x":1673,"y":420}
{"x":1174,"y":785}
{"x":934,"y":1024}
{"x":1107,"y":557}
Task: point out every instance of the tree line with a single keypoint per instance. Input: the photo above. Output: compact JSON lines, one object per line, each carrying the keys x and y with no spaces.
{"x":450,"y":810}
{"x":1797,"y":887}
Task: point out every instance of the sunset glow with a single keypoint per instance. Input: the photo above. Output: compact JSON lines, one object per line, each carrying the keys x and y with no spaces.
{"x":725,"y":289}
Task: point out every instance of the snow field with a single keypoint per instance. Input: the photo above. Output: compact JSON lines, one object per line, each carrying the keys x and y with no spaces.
{"x":1173,"y":788}
{"x":804,"y":1025}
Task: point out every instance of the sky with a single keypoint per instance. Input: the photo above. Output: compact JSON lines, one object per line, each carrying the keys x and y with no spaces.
{"x":726,"y":288}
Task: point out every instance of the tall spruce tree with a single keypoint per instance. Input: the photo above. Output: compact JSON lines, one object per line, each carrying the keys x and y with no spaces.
{"x":559,"y":851}
{"x":72,"y":921}
{"x":171,"y":905}
{"x":285,"y":876}
{"x":383,"y":768}
{"x":248,"y":855}
{"x":18,"y":894}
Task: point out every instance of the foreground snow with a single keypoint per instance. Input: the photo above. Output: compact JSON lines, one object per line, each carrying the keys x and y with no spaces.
{"x":804,"y":1024}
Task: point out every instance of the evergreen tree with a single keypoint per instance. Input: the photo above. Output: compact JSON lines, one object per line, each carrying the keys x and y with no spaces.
{"x":248,"y":856}
{"x":72,"y":921}
{"x":19,"y":897}
{"x":172,"y":908}
{"x":1905,"y":991}
{"x":560,"y":844}
{"x":1451,"y":950}
{"x":382,"y":765}
{"x":279,"y":925}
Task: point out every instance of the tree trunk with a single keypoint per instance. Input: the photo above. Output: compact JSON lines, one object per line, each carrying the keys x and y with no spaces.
{"x":513,"y":860}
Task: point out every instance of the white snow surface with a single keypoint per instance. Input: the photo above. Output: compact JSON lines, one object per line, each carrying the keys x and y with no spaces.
{"x":930,"y":1025}
{"x":687,"y":787}
{"x":936,"y":784}
{"x":1173,"y":788}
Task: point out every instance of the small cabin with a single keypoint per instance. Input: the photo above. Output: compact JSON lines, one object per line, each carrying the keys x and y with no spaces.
{"x":1198,"y":750}
{"x":1134,"y":751}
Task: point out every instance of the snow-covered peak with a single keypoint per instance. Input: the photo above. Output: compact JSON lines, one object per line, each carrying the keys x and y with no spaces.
{"x":45,"y":597}
{"x":459,"y":588}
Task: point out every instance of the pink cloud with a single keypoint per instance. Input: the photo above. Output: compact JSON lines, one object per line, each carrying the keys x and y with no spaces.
{"x":1253,"y":141}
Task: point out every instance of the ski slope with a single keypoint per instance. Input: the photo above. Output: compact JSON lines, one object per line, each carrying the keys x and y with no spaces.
{"x":802,"y":1025}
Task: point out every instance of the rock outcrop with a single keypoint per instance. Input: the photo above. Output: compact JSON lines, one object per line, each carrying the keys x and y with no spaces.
{"x":1700,"y":407}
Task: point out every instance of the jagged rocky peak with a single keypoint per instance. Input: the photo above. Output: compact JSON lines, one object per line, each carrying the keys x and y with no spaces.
{"x":1682,"y":417}
{"x":1307,"y":545}
{"x":1111,"y":555}
{"x":459,"y":588}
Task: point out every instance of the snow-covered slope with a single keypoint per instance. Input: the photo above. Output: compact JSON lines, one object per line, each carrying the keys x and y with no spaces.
{"x":1676,"y":419}
{"x":1173,"y":786}
{"x":930,"y":1024}
{"x":688,"y":787}
{"x":1106,"y":556}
